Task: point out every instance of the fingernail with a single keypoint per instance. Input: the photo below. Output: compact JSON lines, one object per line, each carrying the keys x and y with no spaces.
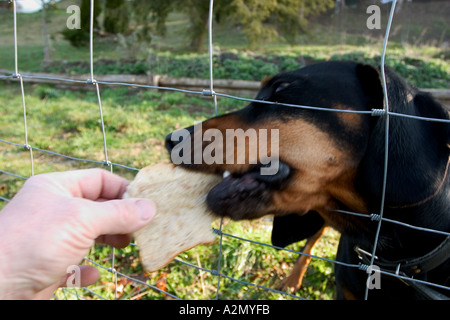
{"x":146,"y":209}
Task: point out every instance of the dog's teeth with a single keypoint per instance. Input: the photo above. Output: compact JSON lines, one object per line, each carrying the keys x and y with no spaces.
{"x":226,"y":174}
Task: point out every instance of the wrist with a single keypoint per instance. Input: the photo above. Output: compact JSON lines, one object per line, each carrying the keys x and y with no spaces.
{"x":11,"y":287}
{"x":6,"y":283}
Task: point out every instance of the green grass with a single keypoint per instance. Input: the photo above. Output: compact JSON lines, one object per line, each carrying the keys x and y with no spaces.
{"x":67,"y":122}
{"x":423,"y":67}
{"x":247,"y":262}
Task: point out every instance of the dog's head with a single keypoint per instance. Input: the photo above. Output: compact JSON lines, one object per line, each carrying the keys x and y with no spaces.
{"x":284,"y":159}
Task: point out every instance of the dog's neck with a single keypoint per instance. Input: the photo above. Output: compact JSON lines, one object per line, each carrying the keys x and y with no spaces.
{"x":432,"y":195}
{"x":397,"y":241}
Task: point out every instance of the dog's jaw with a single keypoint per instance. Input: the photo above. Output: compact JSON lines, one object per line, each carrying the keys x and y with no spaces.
{"x":247,"y":195}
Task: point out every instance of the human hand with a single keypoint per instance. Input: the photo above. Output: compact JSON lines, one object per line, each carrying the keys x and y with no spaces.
{"x":53,"y":221}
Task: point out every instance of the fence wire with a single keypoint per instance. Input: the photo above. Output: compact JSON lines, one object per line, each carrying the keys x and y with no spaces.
{"x":208,"y":92}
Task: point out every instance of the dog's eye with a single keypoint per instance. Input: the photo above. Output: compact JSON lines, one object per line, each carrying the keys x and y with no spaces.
{"x":282,"y":86}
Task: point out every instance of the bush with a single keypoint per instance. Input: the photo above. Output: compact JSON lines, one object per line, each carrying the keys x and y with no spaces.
{"x":421,"y":72}
{"x":77,"y":37}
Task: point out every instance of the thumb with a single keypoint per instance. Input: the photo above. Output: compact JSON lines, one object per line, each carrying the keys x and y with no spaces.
{"x":119,"y":216}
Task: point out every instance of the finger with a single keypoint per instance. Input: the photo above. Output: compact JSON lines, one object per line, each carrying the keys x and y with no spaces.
{"x":47,"y":293}
{"x":116,"y":217}
{"x":87,"y":275}
{"x":90,"y":184}
{"x":99,"y":183}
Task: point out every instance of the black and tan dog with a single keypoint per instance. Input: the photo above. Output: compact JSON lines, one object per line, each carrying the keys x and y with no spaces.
{"x":331,"y":161}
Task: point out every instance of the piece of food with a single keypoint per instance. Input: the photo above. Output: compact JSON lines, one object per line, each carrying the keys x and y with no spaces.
{"x":182,"y":220}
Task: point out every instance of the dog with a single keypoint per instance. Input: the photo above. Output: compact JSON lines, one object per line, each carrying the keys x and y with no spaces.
{"x":332,"y":160}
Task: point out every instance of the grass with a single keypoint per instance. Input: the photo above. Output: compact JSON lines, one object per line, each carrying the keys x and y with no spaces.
{"x":67,"y":122}
{"x":247,"y":262}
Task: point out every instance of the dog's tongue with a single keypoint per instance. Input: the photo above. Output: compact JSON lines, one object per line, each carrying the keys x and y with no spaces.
{"x":235,"y":189}
{"x":232,"y":184}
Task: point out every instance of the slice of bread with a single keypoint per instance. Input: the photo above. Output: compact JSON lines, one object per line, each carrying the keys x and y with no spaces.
{"x":182,"y":220}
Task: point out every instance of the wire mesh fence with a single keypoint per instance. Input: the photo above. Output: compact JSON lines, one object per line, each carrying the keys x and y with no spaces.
{"x":219,"y":271}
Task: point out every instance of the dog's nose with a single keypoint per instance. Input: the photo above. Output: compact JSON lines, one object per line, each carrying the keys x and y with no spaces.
{"x":178,"y":136}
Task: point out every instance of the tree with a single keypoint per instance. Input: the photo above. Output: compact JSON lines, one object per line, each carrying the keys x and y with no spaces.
{"x":46,"y":6}
{"x":116,"y":21}
{"x":260,"y":20}
{"x":196,"y":10}
{"x":80,"y":37}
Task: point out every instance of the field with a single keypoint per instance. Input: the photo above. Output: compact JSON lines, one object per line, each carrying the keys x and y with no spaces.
{"x":136,"y":122}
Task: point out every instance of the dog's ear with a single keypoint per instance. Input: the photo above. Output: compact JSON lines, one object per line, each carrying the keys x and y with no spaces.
{"x":265,"y":81}
{"x":418,"y":150}
{"x":370,"y":80}
{"x":430,"y":108}
{"x":294,"y":228}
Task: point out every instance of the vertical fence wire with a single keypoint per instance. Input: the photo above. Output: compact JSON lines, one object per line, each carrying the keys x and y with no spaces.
{"x":102,"y":123}
{"x":382,"y":113}
{"x":214,"y":96}
{"x":95,"y":83}
{"x":386,"y":138}
{"x":22,"y":91}
{"x":210,"y":54}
